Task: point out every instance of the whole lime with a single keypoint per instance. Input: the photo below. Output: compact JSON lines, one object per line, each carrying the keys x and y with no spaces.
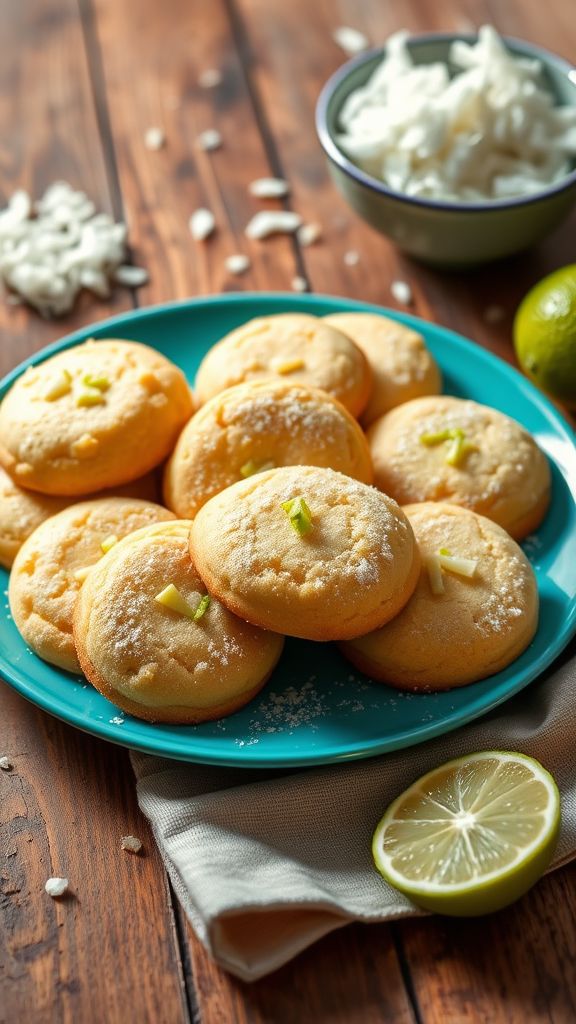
{"x":545,"y":334}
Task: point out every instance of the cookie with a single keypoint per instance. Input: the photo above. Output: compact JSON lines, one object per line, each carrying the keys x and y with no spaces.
{"x":92,"y":417}
{"x":307,"y":552}
{"x":448,"y":449}
{"x":154,"y":659}
{"x":261,"y":425}
{"x":402,"y":367}
{"x":455,"y":629}
{"x":304,"y":348}
{"x":22,"y":511}
{"x":53,"y":562}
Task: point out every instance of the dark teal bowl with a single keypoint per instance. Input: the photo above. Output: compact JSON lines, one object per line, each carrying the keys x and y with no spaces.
{"x":437,"y":231}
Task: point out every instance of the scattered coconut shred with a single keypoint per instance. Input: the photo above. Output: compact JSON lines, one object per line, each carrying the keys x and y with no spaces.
{"x":131,"y":844}
{"x":490,"y":131}
{"x":51,"y":249}
{"x":56,"y":887}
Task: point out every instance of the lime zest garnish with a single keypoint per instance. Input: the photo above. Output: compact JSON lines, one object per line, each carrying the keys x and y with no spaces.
{"x":434,"y":570}
{"x":81,"y":574}
{"x":109,"y":542}
{"x":433,"y":439}
{"x":202,"y":607}
{"x":289,"y":366}
{"x":299,"y":515}
{"x":250,"y":468}
{"x":460,"y":566}
{"x":93,"y":397}
{"x":101,"y":383}
{"x":444,"y":551}
{"x":171,"y":597}
{"x":59,"y":387}
{"x":457,"y":449}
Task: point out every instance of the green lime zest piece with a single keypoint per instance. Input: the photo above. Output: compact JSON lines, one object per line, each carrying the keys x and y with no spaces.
{"x":60,"y":386}
{"x":299,"y":515}
{"x":101,"y":383}
{"x":93,"y":397}
{"x":250,"y":468}
{"x":444,"y":551}
{"x":457,"y":449}
{"x":171,"y":597}
{"x":202,"y":607}
{"x":433,"y":439}
{"x":109,"y":542}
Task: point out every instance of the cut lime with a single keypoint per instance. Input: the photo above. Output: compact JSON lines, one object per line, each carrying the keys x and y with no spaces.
{"x":471,"y":836}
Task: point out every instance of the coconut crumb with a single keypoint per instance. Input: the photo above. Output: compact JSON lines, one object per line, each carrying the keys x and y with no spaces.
{"x":299,"y":284}
{"x":237,"y":264}
{"x":351,"y":258}
{"x":209,"y":140}
{"x":402,"y":292}
{"x":154,"y":138}
{"x":131,"y":277}
{"x":201,"y":224}
{"x":209,"y":78}
{"x":5,"y":764}
{"x":56,"y":887}
{"x":308,"y":234}
{"x":269,"y":188}
{"x":351,"y":40}
{"x":271,"y":222}
{"x":131,"y":844}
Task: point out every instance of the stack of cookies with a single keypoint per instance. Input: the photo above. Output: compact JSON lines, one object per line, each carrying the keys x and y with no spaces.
{"x":270,"y":524}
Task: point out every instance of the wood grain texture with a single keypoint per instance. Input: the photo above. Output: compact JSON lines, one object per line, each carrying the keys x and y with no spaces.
{"x":161,"y":189}
{"x":48,"y":131}
{"x":108,"y":951}
{"x":510,"y":968}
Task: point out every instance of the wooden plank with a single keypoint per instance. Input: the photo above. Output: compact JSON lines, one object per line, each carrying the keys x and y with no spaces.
{"x":49,"y":132}
{"x":290,"y":54}
{"x":70,"y":798}
{"x":161,"y":189}
{"x":515,"y":967}
{"x":108,"y":951}
{"x":350,"y":977}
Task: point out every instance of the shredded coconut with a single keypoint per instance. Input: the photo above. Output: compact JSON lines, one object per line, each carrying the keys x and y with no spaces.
{"x":209,"y":78}
{"x":237,"y":264}
{"x":131,"y":844}
{"x":402,"y":292}
{"x":201,"y":224}
{"x":307,"y":234}
{"x":56,"y":887}
{"x":271,"y":222}
{"x":351,"y":258}
{"x":5,"y":764}
{"x":154,"y":138}
{"x":129,"y":276}
{"x":299,"y":284}
{"x":209,"y":140}
{"x":268,"y":188}
{"x":350,"y":40}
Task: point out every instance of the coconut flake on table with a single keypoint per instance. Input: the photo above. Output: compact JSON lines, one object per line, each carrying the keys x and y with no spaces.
{"x":56,"y":887}
{"x":402,"y":292}
{"x":201,"y":224}
{"x":308,"y":234}
{"x":299,"y":284}
{"x":269,"y":188}
{"x":490,"y":132}
{"x":209,"y":140}
{"x":51,"y":249}
{"x":209,"y":78}
{"x":131,"y":277}
{"x":351,"y":257}
{"x":350,"y":40}
{"x":237,"y":264}
{"x":154,"y":138}
{"x":272,"y":222}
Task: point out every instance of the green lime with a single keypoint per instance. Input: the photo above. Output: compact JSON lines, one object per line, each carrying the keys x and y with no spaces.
{"x":471,"y":836}
{"x":545,"y":334}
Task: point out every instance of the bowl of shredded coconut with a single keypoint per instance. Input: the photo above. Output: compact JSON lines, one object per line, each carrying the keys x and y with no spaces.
{"x":461,"y":149}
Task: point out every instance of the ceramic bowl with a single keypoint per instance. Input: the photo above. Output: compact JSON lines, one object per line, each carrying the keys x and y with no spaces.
{"x":436,"y":231}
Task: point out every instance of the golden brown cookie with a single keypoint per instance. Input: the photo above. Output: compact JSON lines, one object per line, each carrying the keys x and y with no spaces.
{"x":141,"y":646}
{"x":92,"y":417}
{"x":448,"y":449}
{"x":261,"y":425}
{"x":292,"y":346}
{"x":455,"y":629}
{"x":22,"y":511}
{"x":402,"y":367}
{"x":307,"y":552}
{"x":54,"y":561}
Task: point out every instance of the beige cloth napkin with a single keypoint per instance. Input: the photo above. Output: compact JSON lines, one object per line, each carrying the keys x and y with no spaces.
{"x":265,"y":863}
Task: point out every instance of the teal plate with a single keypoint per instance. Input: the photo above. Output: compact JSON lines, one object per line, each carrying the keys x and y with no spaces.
{"x":316,"y":709}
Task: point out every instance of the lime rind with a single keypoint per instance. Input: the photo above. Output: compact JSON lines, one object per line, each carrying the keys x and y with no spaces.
{"x":488,"y":891}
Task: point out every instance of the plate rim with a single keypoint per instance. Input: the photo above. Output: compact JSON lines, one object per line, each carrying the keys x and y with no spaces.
{"x":403,"y":739}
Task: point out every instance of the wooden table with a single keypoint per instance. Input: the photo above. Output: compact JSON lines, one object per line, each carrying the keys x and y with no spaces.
{"x":81,"y":82}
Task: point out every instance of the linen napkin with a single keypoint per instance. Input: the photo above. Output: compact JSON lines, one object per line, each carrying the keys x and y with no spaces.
{"x":265,"y":863}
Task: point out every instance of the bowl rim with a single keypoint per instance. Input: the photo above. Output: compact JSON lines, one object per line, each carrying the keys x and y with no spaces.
{"x":338,"y":157}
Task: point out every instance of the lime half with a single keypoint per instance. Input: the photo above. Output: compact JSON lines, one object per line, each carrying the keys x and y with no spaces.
{"x":471,"y":836}
{"x":545,"y":334}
